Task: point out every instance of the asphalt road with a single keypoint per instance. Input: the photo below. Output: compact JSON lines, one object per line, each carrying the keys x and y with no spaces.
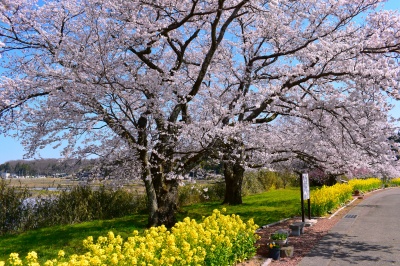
{"x":368,"y":235}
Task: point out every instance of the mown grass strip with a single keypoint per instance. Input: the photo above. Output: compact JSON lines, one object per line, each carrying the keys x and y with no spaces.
{"x":263,"y":208}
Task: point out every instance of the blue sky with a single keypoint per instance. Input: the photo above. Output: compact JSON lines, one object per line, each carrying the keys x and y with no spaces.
{"x":11,"y":149}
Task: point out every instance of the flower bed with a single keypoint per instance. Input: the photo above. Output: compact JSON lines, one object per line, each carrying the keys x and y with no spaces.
{"x":218,"y":240}
{"x":365,"y":185}
{"x":327,"y":199}
{"x":395,"y":182}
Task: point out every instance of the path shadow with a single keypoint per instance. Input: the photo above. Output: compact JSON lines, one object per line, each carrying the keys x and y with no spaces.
{"x":345,"y":248}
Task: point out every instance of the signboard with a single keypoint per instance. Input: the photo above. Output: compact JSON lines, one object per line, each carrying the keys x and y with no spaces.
{"x":306,"y":187}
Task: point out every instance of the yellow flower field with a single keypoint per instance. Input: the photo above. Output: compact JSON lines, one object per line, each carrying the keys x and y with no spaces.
{"x":218,"y":240}
{"x":395,"y":182}
{"x":329,"y":198}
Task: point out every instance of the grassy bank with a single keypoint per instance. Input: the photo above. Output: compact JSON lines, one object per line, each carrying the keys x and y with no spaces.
{"x":264,"y":208}
{"x":48,"y":241}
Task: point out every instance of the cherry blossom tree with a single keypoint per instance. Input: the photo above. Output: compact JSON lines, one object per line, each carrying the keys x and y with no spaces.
{"x":313,"y":60}
{"x":156,"y":86}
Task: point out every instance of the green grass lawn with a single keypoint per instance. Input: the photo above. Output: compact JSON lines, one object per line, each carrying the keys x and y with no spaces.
{"x":264,"y":208}
{"x":48,"y":241}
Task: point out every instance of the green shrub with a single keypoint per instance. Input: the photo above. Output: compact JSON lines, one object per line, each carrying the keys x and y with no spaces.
{"x":12,"y":207}
{"x":289,"y":179}
{"x":197,"y":193}
{"x":20,"y":212}
{"x":255,"y":182}
{"x":279,"y":236}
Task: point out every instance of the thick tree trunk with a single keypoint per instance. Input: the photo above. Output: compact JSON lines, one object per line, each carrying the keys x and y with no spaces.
{"x":233,"y":173}
{"x":167,"y":198}
{"x":162,"y":198}
{"x":331,"y":180}
{"x":162,"y":192}
{"x":152,"y":206}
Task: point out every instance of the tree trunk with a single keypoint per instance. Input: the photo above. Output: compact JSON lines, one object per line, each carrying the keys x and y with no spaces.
{"x":152,"y":205}
{"x":162,"y":198}
{"x":162,"y":192}
{"x":233,"y":173}
{"x":167,"y":198}
{"x":151,"y":193}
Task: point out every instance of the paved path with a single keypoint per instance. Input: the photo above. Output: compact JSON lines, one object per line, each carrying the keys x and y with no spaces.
{"x":368,"y":235}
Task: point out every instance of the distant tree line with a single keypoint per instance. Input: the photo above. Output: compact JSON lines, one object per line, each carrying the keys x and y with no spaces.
{"x":44,"y":167}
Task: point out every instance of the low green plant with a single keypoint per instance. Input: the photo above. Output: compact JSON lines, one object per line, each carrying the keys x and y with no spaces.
{"x":279,"y":236}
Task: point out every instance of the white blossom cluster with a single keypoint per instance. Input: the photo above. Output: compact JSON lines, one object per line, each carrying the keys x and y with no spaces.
{"x":157,"y":86}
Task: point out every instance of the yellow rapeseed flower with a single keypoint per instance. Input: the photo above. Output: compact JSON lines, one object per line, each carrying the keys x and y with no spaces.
{"x":61,"y":253}
{"x":14,"y":259}
{"x":189,"y":242}
{"x":48,"y":263}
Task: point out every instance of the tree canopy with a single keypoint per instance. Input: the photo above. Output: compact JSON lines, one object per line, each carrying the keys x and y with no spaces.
{"x":155,"y":87}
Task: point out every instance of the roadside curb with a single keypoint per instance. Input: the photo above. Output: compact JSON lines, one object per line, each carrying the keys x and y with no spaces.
{"x":336,"y":212}
{"x":272,"y":224}
{"x":356,"y":197}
